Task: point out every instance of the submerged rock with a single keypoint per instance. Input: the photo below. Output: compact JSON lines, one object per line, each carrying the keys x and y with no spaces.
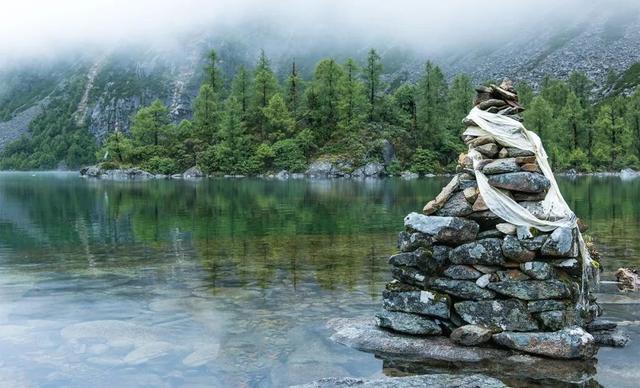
{"x":448,"y":230}
{"x":532,"y":289}
{"x":471,"y":335}
{"x":528,"y":182}
{"x":407,"y":323}
{"x":487,"y":251}
{"x":504,"y":314}
{"x":567,"y":343}
{"x":417,"y":302}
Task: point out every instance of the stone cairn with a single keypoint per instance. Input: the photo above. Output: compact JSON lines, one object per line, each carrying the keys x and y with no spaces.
{"x":464,"y":272}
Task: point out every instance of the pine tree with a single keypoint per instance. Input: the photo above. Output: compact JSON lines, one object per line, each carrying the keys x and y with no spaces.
{"x":373,"y":84}
{"x":294,"y":90}
{"x":327,"y":78}
{"x":241,"y":89}
{"x":214,"y":76}
{"x":432,"y":92}
{"x":279,"y":123}
{"x":206,"y":114}
{"x":572,"y":121}
{"x":351,"y":105}
{"x":265,"y":85}
{"x":151,"y":124}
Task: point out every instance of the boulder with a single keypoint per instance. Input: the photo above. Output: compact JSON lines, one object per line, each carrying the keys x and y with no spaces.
{"x":408,"y":175}
{"x":464,"y":289}
{"x":501,"y":166}
{"x":471,"y":335}
{"x":561,"y":242}
{"x":321,"y":169}
{"x":532,"y":289}
{"x":283,"y":175}
{"x":567,"y":343}
{"x":505,"y":314}
{"x":417,"y":302}
{"x":487,"y":251}
{"x":193,"y":173}
{"x":407,"y":323}
{"x":448,"y":230}
{"x":529,"y":182}
{"x":512,"y":249}
{"x":456,"y":206}
{"x":408,"y":242}
{"x":373,"y":169}
{"x":462,"y":272}
{"x":538,"y":270}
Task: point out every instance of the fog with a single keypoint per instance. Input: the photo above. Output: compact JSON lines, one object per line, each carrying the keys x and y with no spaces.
{"x":31,"y":30}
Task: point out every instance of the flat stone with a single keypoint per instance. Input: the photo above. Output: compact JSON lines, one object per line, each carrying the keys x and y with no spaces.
{"x":614,"y":338}
{"x":435,"y":204}
{"x":487,"y":251}
{"x":417,"y":302}
{"x":535,"y":243}
{"x":569,"y":343}
{"x":561,"y":242}
{"x":529,"y":182}
{"x":485,"y":219}
{"x":409,"y":275}
{"x":501,"y":166}
{"x":434,"y":380}
{"x":417,"y":258}
{"x":464,"y":289}
{"x":486,"y":268}
{"x":511,"y":274}
{"x":553,"y":320}
{"x":531,"y":167}
{"x":462,"y":272}
{"x":506,"y":228}
{"x":532,"y":289}
{"x":601,"y":324}
{"x":512,"y":249}
{"x":448,"y":230}
{"x":483,"y":280}
{"x":505,"y":314}
{"x":538,"y":270}
{"x":525,"y":159}
{"x":529,"y":197}
{"x":536,"y":306}
{"x":407,"y":323}
{"x":471,"y":335}
{"x":491,"y":233}
{"x":408,"y":242}
{"x":489,"y":150}
{"x":456,"y":206}
{"x":517,"y":152}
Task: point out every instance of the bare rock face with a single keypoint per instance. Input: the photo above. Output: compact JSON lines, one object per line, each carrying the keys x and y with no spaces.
{"x":567,"y":343}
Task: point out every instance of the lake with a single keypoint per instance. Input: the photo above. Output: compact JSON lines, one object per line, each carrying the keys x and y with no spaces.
{"x":229,"y":282}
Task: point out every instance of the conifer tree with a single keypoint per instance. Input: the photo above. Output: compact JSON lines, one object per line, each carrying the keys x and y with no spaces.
{"x":351,"y":104}
{"x":206,"y":114}
{"x":373,"y":84}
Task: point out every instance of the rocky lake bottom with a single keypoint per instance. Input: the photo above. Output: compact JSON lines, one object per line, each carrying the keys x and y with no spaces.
{"x":231,"y":282}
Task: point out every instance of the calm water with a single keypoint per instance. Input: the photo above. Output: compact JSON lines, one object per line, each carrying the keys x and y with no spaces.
{"x":228,"y":282}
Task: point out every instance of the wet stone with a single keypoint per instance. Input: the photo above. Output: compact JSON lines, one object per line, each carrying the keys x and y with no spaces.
{"x":569,"y":343}
{"x":538,"y":270}
{"x":471,"y":335}
{"x":464,"y":289}
{"x":448,"y":230}
{"x":417,"y":302}
{"x":501,"y":166}
{"x":505,"y":314}
{"x":561,"y":242}
{"x":462,"y":272}
{"x":520,"y":181}
{"x":407,"y":323}
{"x":532,"y":289}
{"x":487,"y":251}
{"x":512,"y":249}
{"x":408,"y":242}
{"x":536,"y":306}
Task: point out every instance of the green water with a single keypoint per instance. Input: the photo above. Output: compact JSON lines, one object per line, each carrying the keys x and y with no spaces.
{"x":227,"y":282}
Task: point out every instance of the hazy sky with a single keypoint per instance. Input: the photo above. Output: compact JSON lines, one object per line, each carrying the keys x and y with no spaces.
{"x":35,"y":28}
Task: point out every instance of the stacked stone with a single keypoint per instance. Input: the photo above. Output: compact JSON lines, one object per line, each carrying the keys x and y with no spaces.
{"x":462,"y":271}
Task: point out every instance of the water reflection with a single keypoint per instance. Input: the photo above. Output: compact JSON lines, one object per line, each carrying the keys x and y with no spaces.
{"x":221,"y":282}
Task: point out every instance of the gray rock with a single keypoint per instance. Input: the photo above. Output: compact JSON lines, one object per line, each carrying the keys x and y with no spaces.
{"x":471,"y":335}
{"x":536,"y":306}
{"x":529,"y":182}
{"x":561,"y":242}
{"x":388,"y":152}
{"x":373,"y":169}
{"x":487,"y":251}
{"x":456,"y":206}
{"x":538,"y":270}
{"x":535,"y":243}
{"x":321,"y":169}
{"x":440,"y":380}
{"x":517,"y":152}
{"x":601,"y":324}
{"x":512,"y":249}
{"x":501,"y":166}
{"x":408,"y":242}
{"x":417,"y":258}
{"x":464,"y":289}
{"x":553,"y":320}
{"x":417,"y":302}
{"x":283,"y":175}
{"x":567,"y":343}
{"x":489,"y":150}
{"x":505,"y":314}
{"x":462,"y":272}
{"x":409,"y":275}
{"x":408,"y":175}
{"x":193,"y":173}
{"x":407,"y":323}
{"x":448,"y":230}
{"x":511,"y":274}
{"x":613,"y":338}
{"x":491,"y":233}
{"x":532,"y":289}
{"x":484,"y":280}
{"x":440,"y":254}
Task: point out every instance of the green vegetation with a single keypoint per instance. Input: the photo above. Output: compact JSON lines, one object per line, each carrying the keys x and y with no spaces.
{"x":252,"y":123}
